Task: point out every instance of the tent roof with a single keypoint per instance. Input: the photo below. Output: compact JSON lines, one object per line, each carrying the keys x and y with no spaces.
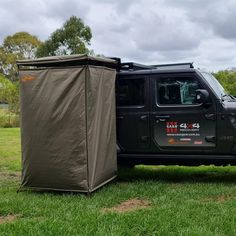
{"x":71,"y":60}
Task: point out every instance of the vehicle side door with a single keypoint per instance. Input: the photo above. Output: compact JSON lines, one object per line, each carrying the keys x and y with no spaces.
{"x":133,"y":134}
{"x":179,"y":123}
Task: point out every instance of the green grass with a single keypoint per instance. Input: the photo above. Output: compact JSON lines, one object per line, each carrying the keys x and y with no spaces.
{"x":9,"y":149}
{"x":184,"y":201}
{"x":8,"y":119}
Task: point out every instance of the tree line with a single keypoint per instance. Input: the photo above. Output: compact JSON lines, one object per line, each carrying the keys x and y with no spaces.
{"x":227,"y":79}
{"x":72,"y":38}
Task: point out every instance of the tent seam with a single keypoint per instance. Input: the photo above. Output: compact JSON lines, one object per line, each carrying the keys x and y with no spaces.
{"x":86,"y":127}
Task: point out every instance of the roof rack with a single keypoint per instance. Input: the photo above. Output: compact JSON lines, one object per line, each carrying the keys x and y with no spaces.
{"x":117,"y":59}
{"x":135,"y":66}
{"x":188,"y":64}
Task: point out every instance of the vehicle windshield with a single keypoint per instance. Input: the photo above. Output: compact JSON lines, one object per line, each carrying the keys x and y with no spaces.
{"x":215,"y":84}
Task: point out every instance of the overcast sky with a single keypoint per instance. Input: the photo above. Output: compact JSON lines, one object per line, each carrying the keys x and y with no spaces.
{"x":146,"y":31}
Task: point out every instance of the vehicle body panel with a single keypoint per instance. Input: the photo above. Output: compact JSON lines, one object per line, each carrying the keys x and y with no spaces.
{"x":173,"y":133}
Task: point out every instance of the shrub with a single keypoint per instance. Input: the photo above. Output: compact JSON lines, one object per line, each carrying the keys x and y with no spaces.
{"x":8,"y":119}
{"x":9,"y":93}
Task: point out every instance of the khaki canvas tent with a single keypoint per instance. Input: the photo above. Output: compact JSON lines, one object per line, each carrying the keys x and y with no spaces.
{"x":68,"y":129}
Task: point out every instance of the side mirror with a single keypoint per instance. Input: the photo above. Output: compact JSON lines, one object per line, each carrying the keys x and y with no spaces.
{"x":202,"y":96}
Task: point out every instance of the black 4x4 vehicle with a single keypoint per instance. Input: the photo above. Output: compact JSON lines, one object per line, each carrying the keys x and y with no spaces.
{"x":173,"y":114}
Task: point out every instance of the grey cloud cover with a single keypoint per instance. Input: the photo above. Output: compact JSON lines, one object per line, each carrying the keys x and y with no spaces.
{"x":147,"y":31}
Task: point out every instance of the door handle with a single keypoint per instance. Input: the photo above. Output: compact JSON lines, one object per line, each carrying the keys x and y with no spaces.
{"x":143,"y":118}
{"x":210,"y":116}
{"x":120,"y":117}
{"x":162,"y":118}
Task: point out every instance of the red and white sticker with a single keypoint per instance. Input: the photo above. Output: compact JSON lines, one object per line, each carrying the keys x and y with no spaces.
{"x":198,"y":142}
{"x":171,"y":127}
{"x":189,"y":125}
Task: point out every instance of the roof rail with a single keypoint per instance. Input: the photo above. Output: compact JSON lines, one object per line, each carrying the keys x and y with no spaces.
{"x":135,"y":66}
{"x":188,"y":64}
{"x":117,"y":59}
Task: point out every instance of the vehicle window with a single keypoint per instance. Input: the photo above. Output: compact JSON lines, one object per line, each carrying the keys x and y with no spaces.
{"x":131,"y":92}
{"x":177,"y":91}
{"x":215,"y":84}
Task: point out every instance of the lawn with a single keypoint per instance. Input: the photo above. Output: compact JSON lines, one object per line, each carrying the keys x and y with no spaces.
{"x":172,"y":201}
{"x":8,"y":119}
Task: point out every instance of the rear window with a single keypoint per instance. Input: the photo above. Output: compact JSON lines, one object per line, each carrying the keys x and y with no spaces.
{"x":131,"y":92}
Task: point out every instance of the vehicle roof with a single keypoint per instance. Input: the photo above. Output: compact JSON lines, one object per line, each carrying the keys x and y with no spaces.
{"x":158,"y":71}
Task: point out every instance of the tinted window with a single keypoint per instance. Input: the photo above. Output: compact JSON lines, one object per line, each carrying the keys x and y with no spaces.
{"x":177,"y":91}
{"x":130,"y":92}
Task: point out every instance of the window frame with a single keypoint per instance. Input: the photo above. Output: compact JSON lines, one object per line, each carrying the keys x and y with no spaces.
{"x":157,"y":80}
{"x":144,"y":78}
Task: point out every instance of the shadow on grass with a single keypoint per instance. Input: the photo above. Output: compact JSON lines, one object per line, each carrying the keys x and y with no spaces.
{"x":166,"y":174}
{"x":178,"y":174}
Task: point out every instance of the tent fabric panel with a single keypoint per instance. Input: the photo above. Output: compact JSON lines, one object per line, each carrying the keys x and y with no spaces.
{"x":54,"y":153}
{"x":101,"y":125}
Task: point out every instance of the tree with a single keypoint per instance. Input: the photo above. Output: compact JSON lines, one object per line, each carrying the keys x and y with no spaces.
{"x":9,"y":93}
{"x":227,"y":80}
{"x":21,"y":45}
{"x":72,"y":38}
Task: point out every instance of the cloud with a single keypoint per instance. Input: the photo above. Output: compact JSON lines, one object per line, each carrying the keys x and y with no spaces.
{"x":219,"y":16}
{"x":164,"y":30}
{"x":39,"y":17}
{"x":147,"y":31}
